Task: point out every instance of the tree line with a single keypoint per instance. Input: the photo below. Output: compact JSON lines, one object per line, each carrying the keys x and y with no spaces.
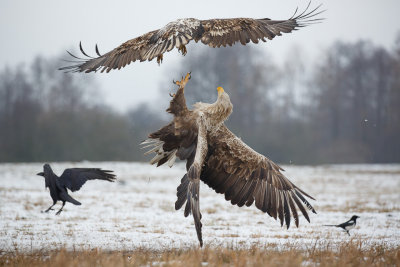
{"x":344,"y":109}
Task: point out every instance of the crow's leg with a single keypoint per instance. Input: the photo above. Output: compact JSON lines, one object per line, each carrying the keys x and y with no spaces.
{"x":60,"y":210}
{"x":50,"y":208}
{"x":348,"y":232}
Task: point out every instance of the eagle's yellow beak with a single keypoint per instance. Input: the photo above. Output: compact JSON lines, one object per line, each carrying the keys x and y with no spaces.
{"x":220,"y":90}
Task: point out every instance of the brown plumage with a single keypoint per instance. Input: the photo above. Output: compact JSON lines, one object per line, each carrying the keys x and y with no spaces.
{"x":213,"y":32}
{"x":224,"y":162}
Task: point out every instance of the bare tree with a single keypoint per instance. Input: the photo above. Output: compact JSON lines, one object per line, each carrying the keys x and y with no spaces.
{"x":354,"y":84}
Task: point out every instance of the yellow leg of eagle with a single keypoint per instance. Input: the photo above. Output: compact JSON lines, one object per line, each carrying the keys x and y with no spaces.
{"x":159,"y":59}
{"x":183,"y":82}
{"x":183,"y":50}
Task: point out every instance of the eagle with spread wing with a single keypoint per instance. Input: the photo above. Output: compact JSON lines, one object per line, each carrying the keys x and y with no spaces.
{"x":212,"y":32}
{"x":223,"y":161}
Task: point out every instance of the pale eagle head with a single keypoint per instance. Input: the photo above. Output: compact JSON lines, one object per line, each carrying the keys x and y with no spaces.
{"x":223,"y":106}
{"x":217,"y":112}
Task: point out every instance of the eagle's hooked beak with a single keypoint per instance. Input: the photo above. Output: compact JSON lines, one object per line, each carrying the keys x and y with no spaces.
{"x":40,"y":174}
{"x":220,"y":90}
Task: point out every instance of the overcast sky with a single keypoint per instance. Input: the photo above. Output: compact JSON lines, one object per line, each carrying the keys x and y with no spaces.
{"x":48,"y":27}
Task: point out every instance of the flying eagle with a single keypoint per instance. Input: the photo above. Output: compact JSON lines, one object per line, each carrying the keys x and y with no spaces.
{"x":221,"y":160}
{"x":212,"y":32}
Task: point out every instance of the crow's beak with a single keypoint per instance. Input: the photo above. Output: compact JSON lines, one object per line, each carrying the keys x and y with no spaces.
{"x":40,"y":174}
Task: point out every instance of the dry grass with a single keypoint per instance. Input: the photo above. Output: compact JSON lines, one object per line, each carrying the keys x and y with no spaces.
{"x":352,"y":253}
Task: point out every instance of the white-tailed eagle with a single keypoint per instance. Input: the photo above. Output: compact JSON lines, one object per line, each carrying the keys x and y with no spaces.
{"x":223,"y":161}
{"x":212,"y":32}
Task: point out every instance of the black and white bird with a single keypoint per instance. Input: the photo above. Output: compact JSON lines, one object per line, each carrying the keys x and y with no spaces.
{"x":71,"y":179}
{"x":350,"y":224}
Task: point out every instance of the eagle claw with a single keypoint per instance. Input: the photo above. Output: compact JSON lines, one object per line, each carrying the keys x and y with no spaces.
{"x":183,"y":50}
{"x":159,"y":59}
{"x":183,"y":81}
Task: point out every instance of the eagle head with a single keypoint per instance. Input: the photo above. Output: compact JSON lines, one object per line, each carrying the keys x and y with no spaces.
{"x":223,"y":105}
{"x":218,"y":111}
{"x":220,"y":90}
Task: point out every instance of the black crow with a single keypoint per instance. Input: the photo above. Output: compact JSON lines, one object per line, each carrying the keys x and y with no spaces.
{"x":71,"y":179}
{"x":350,"y":224}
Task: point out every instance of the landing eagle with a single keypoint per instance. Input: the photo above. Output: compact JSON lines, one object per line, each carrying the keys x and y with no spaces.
{"x":212,"y":32}
{"x":221,"y":160}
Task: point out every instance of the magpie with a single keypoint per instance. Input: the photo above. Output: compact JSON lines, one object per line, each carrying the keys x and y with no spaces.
{"x":72,"y":179}
{"x":350,"y":224}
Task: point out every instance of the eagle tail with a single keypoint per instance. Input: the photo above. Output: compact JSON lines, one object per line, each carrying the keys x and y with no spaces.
{"x":188,"y":192}
{"x":193,"y":199}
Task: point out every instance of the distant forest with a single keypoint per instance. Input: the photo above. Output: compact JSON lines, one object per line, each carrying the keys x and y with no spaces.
{"x":345,"y":109}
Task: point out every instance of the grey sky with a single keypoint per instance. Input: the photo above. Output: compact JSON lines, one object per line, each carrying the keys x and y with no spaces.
{"x":48,"y":27}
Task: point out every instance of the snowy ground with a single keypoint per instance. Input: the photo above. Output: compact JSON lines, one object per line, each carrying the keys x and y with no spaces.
{"x":138,"y":210}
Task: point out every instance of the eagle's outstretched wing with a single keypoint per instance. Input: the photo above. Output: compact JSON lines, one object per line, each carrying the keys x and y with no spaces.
{"x":223,"y":32}
{"x":245,"y":177}
{"x":213,"y":32}
{"x":123,"y":55}
{"x":74,"y":178}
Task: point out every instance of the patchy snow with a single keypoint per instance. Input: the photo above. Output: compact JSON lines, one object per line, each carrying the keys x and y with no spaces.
{"x":137,"y":211}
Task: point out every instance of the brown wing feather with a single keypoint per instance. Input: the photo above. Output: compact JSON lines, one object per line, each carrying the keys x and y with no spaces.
{"x":145,"y":47}
{"x":223,"y":32}
{"x":179,"y":137}
{"x":244,"y":176}
{"x":123,"y":55}
{"x":213,"y":32}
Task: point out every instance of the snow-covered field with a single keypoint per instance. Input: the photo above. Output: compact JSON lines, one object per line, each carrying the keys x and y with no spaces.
{"x":137,"y":211}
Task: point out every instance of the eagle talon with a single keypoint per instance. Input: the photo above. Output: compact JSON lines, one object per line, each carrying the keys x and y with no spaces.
{"x":159,"y":59}
{"x":183,"y":81}
{"x":183,"y":50}
{"x":187,"y":77}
